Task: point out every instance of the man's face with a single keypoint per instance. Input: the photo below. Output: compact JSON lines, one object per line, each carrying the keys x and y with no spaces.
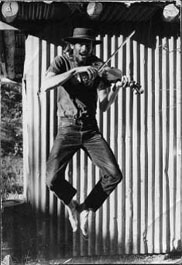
{"x":82,"y":50}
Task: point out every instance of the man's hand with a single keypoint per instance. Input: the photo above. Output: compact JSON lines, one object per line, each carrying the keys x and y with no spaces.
{"x":89,"y":70}
{"x":124,"y":81}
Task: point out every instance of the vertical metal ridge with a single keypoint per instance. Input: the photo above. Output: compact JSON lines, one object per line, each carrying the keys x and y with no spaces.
{"x":165,"y":124}
{"x":120,"y":156}
{"x":128,"y":158}
{"x":136,"y":155}
{"x":172,"y":110}
{"x":148,"y":235}
{"x":157,"y":151}
{"x":179,"y":142}
{"x":113,"y":145}
{"x":143,"y":157}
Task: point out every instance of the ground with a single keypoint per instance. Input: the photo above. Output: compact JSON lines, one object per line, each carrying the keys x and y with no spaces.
{"x":24,"y":243}
{"x":175,"y":258}
{"x":130,"y":259}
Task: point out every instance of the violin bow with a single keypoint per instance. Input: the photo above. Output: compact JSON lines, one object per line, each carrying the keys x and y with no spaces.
{"x":135,"y":86}
{"x":121,"y":45}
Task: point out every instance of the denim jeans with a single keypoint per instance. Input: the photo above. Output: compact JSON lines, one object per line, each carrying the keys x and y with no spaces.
{"x":73,"y":135}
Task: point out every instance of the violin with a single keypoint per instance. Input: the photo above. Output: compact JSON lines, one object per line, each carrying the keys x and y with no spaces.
{"x":113,"y":75}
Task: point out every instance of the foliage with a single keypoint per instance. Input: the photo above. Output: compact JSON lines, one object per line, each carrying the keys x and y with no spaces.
{"x":10,"y":185}
{"x":11,"y":119}
{"x":11,"y":139}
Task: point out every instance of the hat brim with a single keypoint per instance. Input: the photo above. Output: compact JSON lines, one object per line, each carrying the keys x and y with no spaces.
{"x":74,"y":40}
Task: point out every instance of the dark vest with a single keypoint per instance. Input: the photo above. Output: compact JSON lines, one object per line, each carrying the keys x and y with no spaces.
{"x":74,"y":98}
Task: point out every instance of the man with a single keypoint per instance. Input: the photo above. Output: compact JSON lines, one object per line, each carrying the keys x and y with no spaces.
{"x":75,"y":74}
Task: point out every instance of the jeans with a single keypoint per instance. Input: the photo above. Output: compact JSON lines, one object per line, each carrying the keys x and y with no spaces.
{"x":73,"y":135}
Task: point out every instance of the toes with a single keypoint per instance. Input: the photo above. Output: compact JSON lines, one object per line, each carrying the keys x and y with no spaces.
{"x":84,"y":223}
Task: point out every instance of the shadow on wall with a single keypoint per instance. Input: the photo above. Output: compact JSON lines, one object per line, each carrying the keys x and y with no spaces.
{"x":28,"y":236}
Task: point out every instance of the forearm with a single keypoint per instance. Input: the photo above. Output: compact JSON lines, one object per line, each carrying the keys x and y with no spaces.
{"x":51,"y":82}
{"x":111,"y":96}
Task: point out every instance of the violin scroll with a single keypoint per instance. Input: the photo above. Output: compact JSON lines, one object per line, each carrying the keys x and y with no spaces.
{"x":135,"y":86}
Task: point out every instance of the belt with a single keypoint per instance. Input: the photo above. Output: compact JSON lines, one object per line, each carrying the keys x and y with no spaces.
{"x":65,"y":121}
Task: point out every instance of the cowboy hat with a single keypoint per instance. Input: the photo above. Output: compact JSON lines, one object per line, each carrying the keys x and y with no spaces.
{"x":85,"y":34}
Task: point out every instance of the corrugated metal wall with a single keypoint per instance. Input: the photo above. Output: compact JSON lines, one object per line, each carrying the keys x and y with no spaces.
{"x":145,"y":132}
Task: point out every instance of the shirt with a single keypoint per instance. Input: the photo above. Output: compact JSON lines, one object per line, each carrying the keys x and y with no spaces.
{"x":76,"y":99}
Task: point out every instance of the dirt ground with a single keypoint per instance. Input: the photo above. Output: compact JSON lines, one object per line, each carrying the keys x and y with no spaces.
{"x":174,"y":258}
{"x":126,"y":259}
{"x":22,"y":239}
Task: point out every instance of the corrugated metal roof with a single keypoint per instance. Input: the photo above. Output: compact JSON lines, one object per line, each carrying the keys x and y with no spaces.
{"x":42,"y":11}
{"x":112,"y":11}
{"x":135,"y":13}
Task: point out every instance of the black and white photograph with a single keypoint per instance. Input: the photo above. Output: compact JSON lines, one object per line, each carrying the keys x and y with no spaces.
{"x":91,"y":132}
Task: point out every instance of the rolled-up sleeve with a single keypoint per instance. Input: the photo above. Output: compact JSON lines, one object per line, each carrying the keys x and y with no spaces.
{"x":57,"y":66}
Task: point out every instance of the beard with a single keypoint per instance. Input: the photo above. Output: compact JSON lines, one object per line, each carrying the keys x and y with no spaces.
{"x":81,"y":59}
